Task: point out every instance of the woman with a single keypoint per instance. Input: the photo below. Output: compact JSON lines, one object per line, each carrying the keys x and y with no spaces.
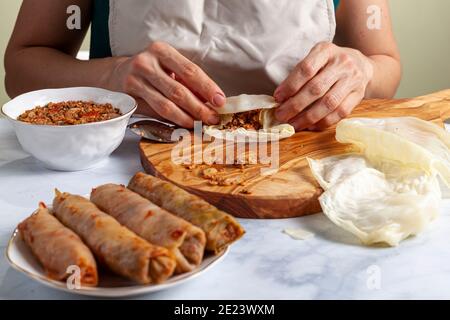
{"x":180,"y":58}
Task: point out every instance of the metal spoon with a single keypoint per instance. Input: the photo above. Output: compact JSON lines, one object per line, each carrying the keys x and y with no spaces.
{"x":153,"y":130}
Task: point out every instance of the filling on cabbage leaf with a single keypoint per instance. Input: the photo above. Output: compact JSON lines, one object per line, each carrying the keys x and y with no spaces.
{"x":253,"y":124}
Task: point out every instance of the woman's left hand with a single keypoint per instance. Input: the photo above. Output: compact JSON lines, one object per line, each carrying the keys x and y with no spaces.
{"x":324,"y":87}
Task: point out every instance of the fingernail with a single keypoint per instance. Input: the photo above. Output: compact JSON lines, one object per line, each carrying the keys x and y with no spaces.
{"x":218,"y":100}
{"x":213,"y":119}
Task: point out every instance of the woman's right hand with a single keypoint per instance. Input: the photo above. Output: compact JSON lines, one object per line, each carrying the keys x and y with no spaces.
{"x":169,"y":84}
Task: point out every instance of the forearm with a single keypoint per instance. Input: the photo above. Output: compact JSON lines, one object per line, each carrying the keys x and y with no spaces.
{"x":386,"y":77}
{"x":33,"y":68}
{"x":377,"y":44}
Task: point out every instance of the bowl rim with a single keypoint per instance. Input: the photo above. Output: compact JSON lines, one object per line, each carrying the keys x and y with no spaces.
{"x":57,"y":127}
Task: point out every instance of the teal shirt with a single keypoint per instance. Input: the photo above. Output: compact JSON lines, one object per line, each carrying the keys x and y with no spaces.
{"x":336,"y":3}
{"x":100,"y":46}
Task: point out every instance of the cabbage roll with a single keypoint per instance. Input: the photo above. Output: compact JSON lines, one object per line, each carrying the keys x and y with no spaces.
{"x":115,"y":246}
{"x":221,"y":228}
{"x":57,"y":248}
{"x":153,"y":223}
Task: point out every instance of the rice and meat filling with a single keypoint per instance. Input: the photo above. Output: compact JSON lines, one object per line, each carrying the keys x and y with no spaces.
{"x":69,"y":113}
{"x":248,"y":120}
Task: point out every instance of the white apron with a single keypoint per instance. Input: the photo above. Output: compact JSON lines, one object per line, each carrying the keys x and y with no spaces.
{"x":245,"y":46}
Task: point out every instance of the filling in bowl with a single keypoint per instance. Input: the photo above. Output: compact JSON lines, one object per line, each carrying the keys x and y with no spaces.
{"x":69,"y":113}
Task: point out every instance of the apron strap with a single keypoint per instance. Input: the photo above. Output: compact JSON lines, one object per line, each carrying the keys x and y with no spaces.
{"x":100,"y":46}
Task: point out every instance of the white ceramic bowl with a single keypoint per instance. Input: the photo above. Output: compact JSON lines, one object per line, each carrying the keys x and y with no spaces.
{"x":74,"y":147}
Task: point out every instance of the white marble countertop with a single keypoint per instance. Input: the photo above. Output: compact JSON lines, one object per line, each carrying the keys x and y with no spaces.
{"x":265,"y":264}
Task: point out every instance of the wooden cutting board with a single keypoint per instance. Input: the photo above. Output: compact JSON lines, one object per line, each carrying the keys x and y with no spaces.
{"x":292,"y":191}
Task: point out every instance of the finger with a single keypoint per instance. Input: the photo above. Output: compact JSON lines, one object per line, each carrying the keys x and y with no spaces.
{"x":324,"y":106}
{"x":314,"y":90}
{"x":341,"y":112}
{"x":160,"y":104}
{"x":203,"y":100}
{"x":174,"y":76}
{"x":187,"y":100}
{"x":303,"y":72}
{"x":144,"y":109}
{"x":189,"y":72}
{"x":178,"y":94}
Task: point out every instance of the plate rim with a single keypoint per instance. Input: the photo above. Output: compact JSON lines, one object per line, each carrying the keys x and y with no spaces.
{"x":113,"y":292}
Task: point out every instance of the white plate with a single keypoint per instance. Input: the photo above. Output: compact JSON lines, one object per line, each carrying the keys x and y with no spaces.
{"x":21,"y":258}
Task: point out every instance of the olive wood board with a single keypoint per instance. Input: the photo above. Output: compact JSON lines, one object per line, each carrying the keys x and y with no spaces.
{"x":292,"y":190}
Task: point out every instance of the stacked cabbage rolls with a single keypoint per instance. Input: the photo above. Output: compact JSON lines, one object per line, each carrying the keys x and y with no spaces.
{"x":57,"y":248}
{"x":221,"y":228}
{"x":117,"y":247}
{"x":156,"y":225}
{"x":145,"y":234}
